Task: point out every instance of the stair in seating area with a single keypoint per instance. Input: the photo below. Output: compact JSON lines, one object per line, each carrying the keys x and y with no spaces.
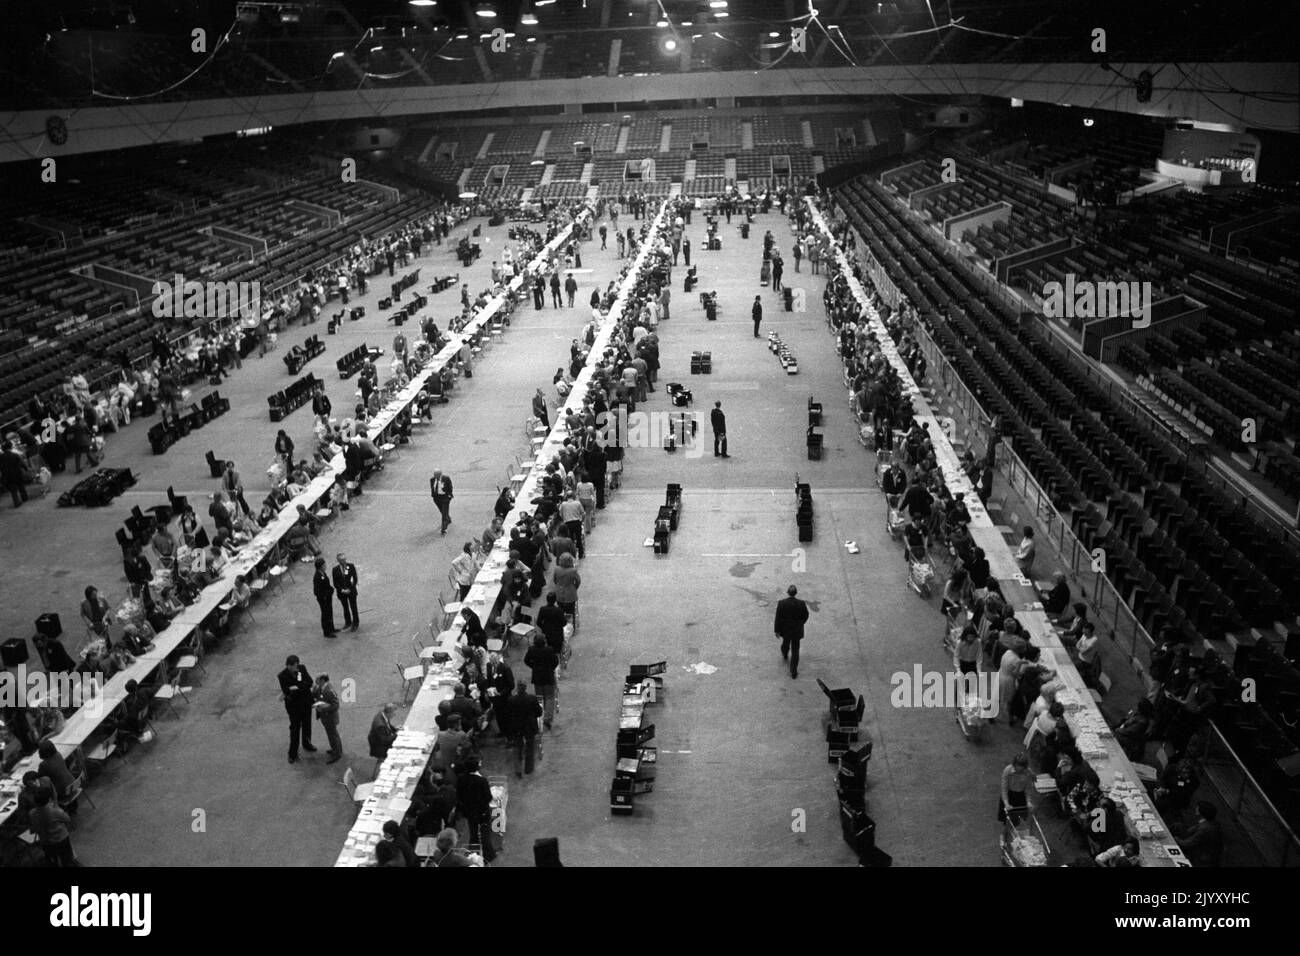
{"x":623,"y":134}
{"x":547,"y":175}
{"x":819,"y":163}
{"x":806,"y":128}
{"x":689,"y":174}
{"x":666,"y":138}
{"x":730,"y":169}
{"x":542,"y":142}
{"x":588,"y":169}
{"x":527,"y":194}
{"x":675,"y":189}
{"x":593,"y":193}
{"x":747,"y":134}
{"x":487,"y":145}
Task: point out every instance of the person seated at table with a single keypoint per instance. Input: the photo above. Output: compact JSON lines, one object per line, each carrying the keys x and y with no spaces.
{"x":339,"y":496}
{"x":469,"y":710}
{"x":394,"y":837}
{"x":33,"y":784}
{"x":300,"y":538}
{"x":1125,"y":854}
{"x":1072,"y":770}
{"x":444,"y":711}
{"x":130,"y":719}
{"x":1203,"y":841}
{"x":447,"y":852}
{"x":55,"y":768}
{"x":1057,"y":598}
{"x":137,"y":638}
{"x":388,"y":854}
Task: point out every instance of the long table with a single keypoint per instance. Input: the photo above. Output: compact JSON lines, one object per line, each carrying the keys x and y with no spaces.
{"x":86,"y":720}
{"x":1100,"y":748}
{"x":400,"y":772}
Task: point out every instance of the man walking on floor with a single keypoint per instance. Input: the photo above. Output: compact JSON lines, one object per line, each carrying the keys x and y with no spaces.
{"x":791,"y":613}
{"x":757,"y":312}
{"x":295,"y":691}
{"x":345,"y":585}
{"x":324,"y":592}
{"x":718,"y":418}
{"x":440,"y":487}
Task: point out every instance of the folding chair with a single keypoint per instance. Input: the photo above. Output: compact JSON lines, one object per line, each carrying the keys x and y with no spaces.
{"x":410,"y":674}
{"x":359,"y":792}
{"x":167,"y":693}
{"x":191,"y":658}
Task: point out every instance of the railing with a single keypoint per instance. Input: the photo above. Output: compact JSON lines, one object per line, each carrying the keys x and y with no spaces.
{"x":1257,"y":816}
{"x":1276,"y":843}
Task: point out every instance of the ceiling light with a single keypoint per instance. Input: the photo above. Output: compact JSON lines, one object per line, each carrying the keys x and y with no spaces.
{"x":721,"y":13}
{"x":718,"y":4}
{"x":468,"y":195}
{"x":687,"y":23}
{"x":528,"y":19}
{"x":530,"y":39}
{"x":486,"y":10}
{"x":774,"y":35}
{"x":545,"y":3}
{"x":670,"y":44}
{"x":662,"y":23}
{"x":424,"y":3}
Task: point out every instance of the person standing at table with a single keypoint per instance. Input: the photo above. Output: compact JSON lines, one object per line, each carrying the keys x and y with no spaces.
{"x":540,"y":411}
{"x":295,"y":691}
{"x":324,"y":592}
{"x":757,"y":312}
{"x":543,"y":661}
{"x":382,"y":734}
{"x":474,"y":801}
{"x":791,"y":615}
{"x":518,"y":718}
{"x":345,"y":585}
{"x":327,"y":712}
{"x":440,"y":488}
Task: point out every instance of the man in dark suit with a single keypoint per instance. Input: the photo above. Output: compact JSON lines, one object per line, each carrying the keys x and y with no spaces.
{"x":474,"y":801}
{"x":13,"y":474}
{"x":718,"y":418}
{"x":295,"y":691}
{"x":324,"y":592}
{"x":519,"y":713}
{"x":345,"y":585}
{"x":440,"y":488}
{"x":327,"y":711}
{"x":757,"y":312}
{"x":791,"y":613}
{"x":382,"y":734}
{"x":550,"y":621}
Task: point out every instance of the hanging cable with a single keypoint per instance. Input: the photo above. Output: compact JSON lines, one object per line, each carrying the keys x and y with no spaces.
{"x":225,"y":37}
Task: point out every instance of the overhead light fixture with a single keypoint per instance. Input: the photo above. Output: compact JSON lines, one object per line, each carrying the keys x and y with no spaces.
{"x":424,"y":3}
{"x":662,"y":23}
{"x":718,"y":4}
{"x":688,"y":23}
{"x":545,"y":3}
{"x":774,"y":35}
{"x":670,"y":44}
{"x":530,"y":39}
{"x":290,"y":14}
{"x":462,"y":36}
{"x":486,"y":11}
{"x":721,"y":13}
{"x":538,"y":162}
{"x":468,"y":195}
{"x":528,"y":19}
{"x":1087,"y":121}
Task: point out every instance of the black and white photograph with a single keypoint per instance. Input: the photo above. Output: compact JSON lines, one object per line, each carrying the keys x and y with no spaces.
{"x":818,"y":434}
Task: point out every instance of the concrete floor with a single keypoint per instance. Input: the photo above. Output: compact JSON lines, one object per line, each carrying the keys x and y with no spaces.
{"x":742,"y":752}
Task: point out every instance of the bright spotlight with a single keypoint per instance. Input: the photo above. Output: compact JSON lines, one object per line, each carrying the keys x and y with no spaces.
{"x":670,"y":44}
